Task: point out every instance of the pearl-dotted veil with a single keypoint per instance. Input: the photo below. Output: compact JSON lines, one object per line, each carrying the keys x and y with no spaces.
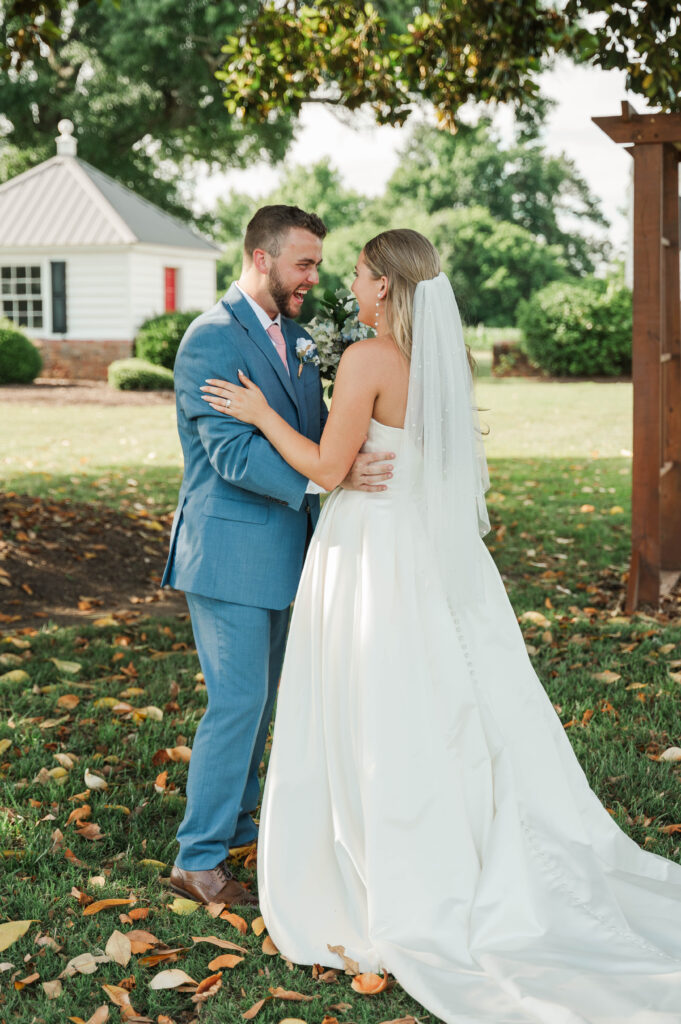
{"x":444,"y":453}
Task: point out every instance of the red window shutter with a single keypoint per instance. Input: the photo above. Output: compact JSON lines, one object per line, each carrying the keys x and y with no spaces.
{"x":170,"y":289}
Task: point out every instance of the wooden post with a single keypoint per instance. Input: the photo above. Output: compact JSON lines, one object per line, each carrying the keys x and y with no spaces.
{"x":644,"y":576}
{"x":655,"y":143}
{"x":670,"y":484}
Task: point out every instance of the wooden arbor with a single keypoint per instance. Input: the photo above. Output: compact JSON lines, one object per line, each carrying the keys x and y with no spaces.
{"x":654,"y":140}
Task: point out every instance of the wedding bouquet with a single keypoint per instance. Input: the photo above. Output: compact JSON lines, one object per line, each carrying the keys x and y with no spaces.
{"x":334,"y":330}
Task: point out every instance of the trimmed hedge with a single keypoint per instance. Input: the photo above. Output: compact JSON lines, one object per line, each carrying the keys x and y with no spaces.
{"x":158,"y":339}
{"x":139,"y":375}
{"x":20,"y":360}
{"x":579,"y":330}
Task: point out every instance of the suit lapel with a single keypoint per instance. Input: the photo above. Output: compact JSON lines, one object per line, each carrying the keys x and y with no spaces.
{"x":291,"y":332}
{"x":249,"y":321}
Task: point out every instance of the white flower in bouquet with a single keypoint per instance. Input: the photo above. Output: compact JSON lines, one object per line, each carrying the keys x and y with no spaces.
{"x":335,"y":329}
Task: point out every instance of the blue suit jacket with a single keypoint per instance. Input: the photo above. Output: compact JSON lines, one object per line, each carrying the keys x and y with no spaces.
{"x":241,"y":522}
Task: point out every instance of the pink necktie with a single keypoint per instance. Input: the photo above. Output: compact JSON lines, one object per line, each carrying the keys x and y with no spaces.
{"x":274,"y":331}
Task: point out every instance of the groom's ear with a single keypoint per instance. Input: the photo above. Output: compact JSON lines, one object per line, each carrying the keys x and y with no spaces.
{"x":261,"y":261}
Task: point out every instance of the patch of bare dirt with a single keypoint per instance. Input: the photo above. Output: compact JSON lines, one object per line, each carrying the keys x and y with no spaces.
{"x":71,"y":562}
{"x":71,"y":392}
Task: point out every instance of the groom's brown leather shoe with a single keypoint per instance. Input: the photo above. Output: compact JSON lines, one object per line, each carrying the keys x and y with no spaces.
{"x":217,"y":885}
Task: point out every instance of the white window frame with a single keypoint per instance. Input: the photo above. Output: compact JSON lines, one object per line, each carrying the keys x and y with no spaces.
{"x":21,"y":284}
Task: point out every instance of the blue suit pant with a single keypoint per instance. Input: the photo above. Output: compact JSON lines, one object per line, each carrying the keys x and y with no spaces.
{"x":241,"y":651}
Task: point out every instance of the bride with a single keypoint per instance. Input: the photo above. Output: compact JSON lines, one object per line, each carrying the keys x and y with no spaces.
{"x":423,"y":806}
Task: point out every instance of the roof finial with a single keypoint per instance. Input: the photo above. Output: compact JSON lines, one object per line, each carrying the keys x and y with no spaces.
{"x":66,"y":144}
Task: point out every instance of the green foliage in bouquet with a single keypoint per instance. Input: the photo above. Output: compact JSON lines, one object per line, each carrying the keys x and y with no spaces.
{"x":334,"y":329}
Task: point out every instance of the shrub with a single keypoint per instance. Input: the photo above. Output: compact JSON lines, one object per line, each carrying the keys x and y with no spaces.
{"x":139,"y":375}
{"x":579,"y":330}
{"x":158,"y":339}
{"x":20,"y":360}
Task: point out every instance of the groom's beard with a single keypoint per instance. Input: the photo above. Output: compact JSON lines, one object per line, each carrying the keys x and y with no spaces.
{"x":281,"y":294}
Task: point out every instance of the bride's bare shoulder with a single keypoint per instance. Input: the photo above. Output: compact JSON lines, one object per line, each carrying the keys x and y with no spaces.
{"x":369,"y":351}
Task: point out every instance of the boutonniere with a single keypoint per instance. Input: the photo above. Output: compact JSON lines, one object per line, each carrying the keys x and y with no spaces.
{"x":306,"y":350}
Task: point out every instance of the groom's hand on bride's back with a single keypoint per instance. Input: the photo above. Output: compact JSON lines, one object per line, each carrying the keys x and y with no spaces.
{"x":371,"y":471}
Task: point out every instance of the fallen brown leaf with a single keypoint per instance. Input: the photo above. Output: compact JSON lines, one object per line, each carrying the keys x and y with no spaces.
{"x":83,"y":898}
{"x":94,"y":908}
{"x":324,"y":975}
{"x":141,"y":941}
{"x":369,"y":984}
{"x":121,"y":998}
{"x":398,"y":1020}
{"x":68,"y":701}
{"x":351,"y":966}
{"x":57,"y":840}
{"x":84,"y":963}
{"x":71,"y":857}
{"x":52,"y":989}
{"x":210,"y":985}
{"x":90,"y":830}
{"x":222,"y":943}
{"x":268,"y":947}
{"x":215,"y":909}
{"x":258,"y":925}
{"x":234,"y":919}
{"x":225,"y":960}
{"x":11,"y":931}
{"x":255,"y":1009}
{"x":100,"y":1016}
{"x":295,"y":997}
{"x":180,"y":753}
{"x":119,"y":948}
{"x":166,"y":955}
{"x":138,"y":913}
{"x":607,"y":676}
{"x":79,"y":814}
{"x":172,"y":978}
{"x":28,"y":980}
{"x":93,"y":781}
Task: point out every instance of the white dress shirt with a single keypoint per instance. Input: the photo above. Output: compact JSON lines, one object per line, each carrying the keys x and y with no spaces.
{"x":267,"y":321}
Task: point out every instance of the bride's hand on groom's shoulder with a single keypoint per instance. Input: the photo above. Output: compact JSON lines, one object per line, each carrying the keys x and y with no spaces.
{"x":246,"y":402}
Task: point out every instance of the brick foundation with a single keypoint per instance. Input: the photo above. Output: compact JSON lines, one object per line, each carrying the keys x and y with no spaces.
{"x":80,"y":360}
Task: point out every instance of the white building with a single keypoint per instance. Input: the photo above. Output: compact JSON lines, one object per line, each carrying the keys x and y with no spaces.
{"x":84,"y":261}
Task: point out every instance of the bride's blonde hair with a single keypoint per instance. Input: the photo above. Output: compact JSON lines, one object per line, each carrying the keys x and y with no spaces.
{"x":405,"y":257}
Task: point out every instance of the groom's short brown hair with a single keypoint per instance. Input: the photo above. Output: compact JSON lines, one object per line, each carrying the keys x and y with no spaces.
{"x":269,"y":225}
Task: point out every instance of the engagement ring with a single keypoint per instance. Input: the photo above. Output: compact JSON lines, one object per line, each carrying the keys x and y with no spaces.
{"x":228,"y":402}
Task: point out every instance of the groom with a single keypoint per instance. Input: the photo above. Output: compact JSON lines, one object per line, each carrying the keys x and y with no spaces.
{"x":243,"y":521}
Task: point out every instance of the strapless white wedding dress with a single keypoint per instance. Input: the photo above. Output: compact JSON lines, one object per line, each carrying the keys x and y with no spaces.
{"x":424,"y":809}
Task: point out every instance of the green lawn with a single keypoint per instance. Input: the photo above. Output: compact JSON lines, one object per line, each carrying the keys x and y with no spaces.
{"x":90,"y":452}
{"x":106,"y":453}
{"x":559,"y":505}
